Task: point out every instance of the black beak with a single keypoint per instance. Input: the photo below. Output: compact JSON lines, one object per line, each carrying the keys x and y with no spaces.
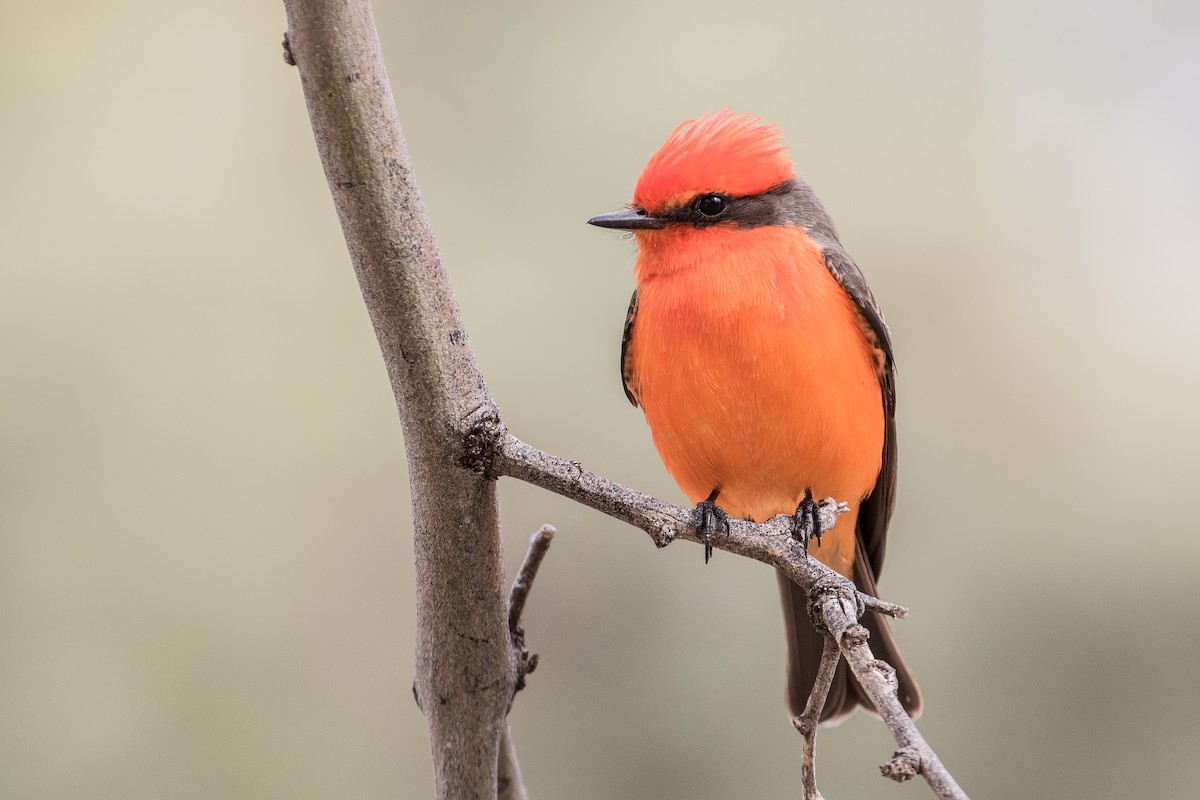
{"x":632,"y":219}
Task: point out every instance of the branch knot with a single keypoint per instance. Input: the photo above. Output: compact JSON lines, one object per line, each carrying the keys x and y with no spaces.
{"x":905,"y":765}
{"x":804,"y":725}
{"x":855,"y":635}
{"x":483,"y":441}
{"x":832,"y":588}
{"x":662,"y":534}
{"x":288,"y":58}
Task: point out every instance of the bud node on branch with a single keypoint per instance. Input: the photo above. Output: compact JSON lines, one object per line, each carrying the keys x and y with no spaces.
{"x":905,"y":765}
{"x":854,"y":636}
{"x":483,"y":441}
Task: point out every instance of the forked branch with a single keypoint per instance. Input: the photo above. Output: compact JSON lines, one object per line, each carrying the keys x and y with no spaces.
{"x":836,"y":603}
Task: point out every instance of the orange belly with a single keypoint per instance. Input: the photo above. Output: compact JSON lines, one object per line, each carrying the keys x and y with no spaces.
{"x":756,"y":377}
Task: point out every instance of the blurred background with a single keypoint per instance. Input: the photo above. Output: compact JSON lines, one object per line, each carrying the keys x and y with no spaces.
{"x":205,"y":531}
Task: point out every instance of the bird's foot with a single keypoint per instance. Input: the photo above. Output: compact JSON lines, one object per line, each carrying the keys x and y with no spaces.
{"x":810,"y":523}
{"x":712,"y":520}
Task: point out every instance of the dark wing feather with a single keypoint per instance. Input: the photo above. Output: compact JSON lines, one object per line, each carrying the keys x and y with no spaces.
{"x":804,"y":643}
{"x":877,"y":508}
{"x":626,"y":360}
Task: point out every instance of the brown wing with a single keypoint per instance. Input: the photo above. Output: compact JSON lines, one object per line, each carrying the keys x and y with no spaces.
{"x":877,"y":508}
{"x":804,"y":643}
{"x":801,"y":207}
{"x":626,"y":360}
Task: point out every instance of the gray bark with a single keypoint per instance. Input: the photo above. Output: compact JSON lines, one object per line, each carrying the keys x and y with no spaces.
{"x":465,"y":662}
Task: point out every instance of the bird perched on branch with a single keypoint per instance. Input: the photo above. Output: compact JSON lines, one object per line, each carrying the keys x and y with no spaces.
{"x":764,"y":366}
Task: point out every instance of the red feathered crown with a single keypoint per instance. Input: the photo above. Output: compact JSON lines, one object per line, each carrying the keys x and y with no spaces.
{"x":726,"y":153}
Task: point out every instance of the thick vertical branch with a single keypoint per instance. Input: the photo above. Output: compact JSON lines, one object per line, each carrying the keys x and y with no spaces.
{"x":464,"y":659}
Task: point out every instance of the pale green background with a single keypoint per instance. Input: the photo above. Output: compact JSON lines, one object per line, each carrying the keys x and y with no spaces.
{"x":205,"y":558}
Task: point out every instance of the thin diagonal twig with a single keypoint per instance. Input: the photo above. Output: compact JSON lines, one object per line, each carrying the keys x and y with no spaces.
{"x":539,"y":543}
{"x":808,"y":722}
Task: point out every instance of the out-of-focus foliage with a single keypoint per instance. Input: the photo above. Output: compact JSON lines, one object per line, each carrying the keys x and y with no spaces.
{"x":205,"y":563}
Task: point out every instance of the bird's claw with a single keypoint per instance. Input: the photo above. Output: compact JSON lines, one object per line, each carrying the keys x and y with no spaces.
{"x":712,"y":520}
{"x":813,"y":520}
{"x":806,"y":525}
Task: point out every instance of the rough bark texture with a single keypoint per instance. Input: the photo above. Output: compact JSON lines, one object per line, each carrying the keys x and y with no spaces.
{"x":465,"y":668}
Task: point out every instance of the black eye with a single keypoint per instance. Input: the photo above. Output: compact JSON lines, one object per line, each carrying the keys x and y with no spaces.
{"x":711,"y":205}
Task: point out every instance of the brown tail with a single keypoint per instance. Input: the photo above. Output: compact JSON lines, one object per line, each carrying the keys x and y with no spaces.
{"x":804,"y":654}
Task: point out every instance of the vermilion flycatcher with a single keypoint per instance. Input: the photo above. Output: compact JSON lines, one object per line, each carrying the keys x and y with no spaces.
{"x":763,"y":365}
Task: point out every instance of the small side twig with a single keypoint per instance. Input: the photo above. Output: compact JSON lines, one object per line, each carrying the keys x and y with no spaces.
{"x":510,"y":785}
{"x":539,"y":543}
{"x":808,"y":722}
{"x":882,"y":606}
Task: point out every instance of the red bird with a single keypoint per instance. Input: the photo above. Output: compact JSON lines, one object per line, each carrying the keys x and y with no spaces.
{"x":763,"y":365}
